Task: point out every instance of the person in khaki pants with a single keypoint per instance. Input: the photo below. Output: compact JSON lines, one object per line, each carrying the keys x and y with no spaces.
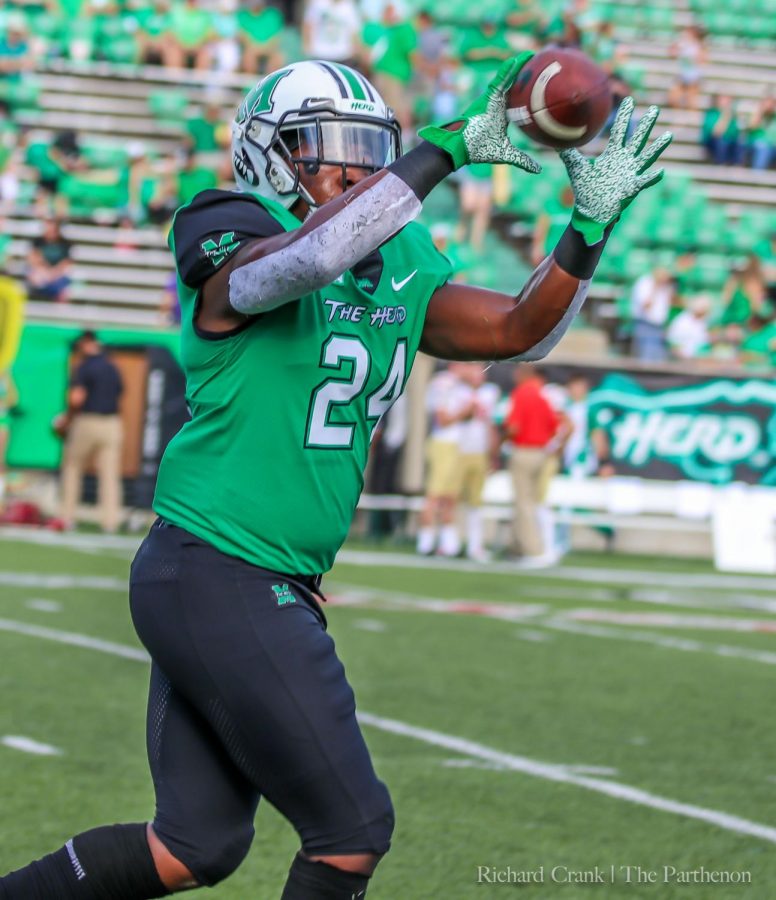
{"x":531,"y":425}
{"x":92,"y":430}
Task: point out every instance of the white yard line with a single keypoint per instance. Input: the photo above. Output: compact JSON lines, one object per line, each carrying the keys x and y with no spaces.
{"x":471,"y":749}
{"x":603,"y":575}
{"x":672,"y":620}
{"x":28,"y":745}
{"x":74,"y":639}
{"x":659,"y":640}
{"x":551,"y":772}
{"x":73,"y":541}
{"x":43,"y":605}
{"x":65,"y":582}
{"x":533,"y":615}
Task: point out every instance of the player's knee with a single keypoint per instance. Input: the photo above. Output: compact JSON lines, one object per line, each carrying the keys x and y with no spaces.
{"x":213,"y":854}
{"x":382,"y":826}
{"x":224,"y":854}
{"x":371,"y":833}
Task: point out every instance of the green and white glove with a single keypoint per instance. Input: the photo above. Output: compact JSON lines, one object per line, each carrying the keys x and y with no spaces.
{"x":605,"y":186}
{"x":480,"y":135}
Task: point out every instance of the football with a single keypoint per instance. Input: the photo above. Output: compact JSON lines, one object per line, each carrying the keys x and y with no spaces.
{"x":560,"y":99}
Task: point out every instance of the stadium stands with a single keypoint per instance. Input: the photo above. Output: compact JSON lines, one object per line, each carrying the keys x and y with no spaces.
{"x":115,"y":107}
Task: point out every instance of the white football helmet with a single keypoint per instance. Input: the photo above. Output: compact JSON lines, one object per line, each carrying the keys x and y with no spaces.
{"x":310,"y":113}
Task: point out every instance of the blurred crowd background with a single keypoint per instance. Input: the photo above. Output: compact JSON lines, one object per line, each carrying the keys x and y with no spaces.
{"x":114,"y":112}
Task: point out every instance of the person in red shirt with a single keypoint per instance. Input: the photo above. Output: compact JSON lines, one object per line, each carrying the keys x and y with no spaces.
{"x":531,"y":425}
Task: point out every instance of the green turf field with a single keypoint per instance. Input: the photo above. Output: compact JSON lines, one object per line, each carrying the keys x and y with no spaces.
{"x":607,"y":713}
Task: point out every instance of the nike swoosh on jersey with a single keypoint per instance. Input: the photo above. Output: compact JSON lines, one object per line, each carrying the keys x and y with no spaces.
{"x":398,"y":285}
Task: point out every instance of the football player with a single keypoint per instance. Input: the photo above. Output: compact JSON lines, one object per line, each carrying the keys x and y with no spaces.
{"x":305,"y":296}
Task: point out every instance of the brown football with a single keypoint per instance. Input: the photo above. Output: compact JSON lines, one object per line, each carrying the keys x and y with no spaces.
{"x":561,"y":98}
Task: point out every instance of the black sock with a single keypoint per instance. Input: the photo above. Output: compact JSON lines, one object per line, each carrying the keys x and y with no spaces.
{"x":308,"y":880}
{"x":110,"y":863}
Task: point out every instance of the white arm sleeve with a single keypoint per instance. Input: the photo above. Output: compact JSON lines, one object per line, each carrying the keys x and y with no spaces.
{"x":318,"y":257}
{"x":550,"y":341}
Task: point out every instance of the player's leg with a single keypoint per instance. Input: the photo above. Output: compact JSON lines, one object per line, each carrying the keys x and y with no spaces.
{"x":203,"y":826}
{"x":427,"y":521}
{"x":78,"y":446}
{"x":263,"y":672}
{"x":108,"y":462}
{"x":114,"y":862}
{"x":449,"y":491}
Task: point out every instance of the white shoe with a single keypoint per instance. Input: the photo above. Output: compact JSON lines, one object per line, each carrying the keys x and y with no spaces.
{"x":537,"y":562}
{"x":480,"y":556}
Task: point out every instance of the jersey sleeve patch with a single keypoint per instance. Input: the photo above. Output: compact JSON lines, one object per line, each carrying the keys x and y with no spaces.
{"x":211,"y":228}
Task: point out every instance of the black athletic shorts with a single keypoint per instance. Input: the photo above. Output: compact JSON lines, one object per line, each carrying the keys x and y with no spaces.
{"x":247,"y":698}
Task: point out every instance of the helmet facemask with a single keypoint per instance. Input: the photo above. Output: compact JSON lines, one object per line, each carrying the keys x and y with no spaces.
{"x":309,"y":139}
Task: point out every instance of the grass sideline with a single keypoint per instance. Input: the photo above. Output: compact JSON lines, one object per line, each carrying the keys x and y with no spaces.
{"x":695,"y":727}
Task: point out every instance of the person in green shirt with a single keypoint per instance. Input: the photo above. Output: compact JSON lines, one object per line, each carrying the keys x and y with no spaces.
{"x":152,"y":29}
{"x":190,"y":30}
{"x":759,"y":347}
{"x":391,"y":58}
{"x":720,"y":132}
{"x":305,"y":297}
{"x":745,"y":294}
{"x":483,"y":47}
{"x":259,"y":30}
{"x":762,"y":134}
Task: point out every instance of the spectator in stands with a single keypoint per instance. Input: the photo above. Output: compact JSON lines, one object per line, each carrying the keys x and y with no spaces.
{"x":531,"y":426}
{"x":191,"y":30}
{"x":651,"y":301}
{"x":225,"y":49}
{"x":391,"y":62}
{"x":720,"y":133}
{"x":91,"y":428}
{"x":762,"y":134}
{"x":745,"y":295}
{"x":688,"y":335}
{"x":453,"y":82}
{"x":684,"y":269}
{"x":601,"y":45}
{"x":204,"y":129}
{"x":449,"y":402}
{"x":765,"y":249}
{"x":484,"y":47}
{"x":429,"y":54}
{"x":478,"y":449}
{"x":331,"y":29}
{"x":49,"y":265}
{"x":15,"y":56}
{"x":260,"y":27}
{"x":524,"y":22}
{"x":61,"y":157}
{"x":153,"y":29}
{"x":690,"y":50}
{"x":153,"y":184}
{"x":759,"y":347}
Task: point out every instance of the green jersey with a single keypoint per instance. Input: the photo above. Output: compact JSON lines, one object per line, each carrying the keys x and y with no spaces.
{"x":270,"y":467}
